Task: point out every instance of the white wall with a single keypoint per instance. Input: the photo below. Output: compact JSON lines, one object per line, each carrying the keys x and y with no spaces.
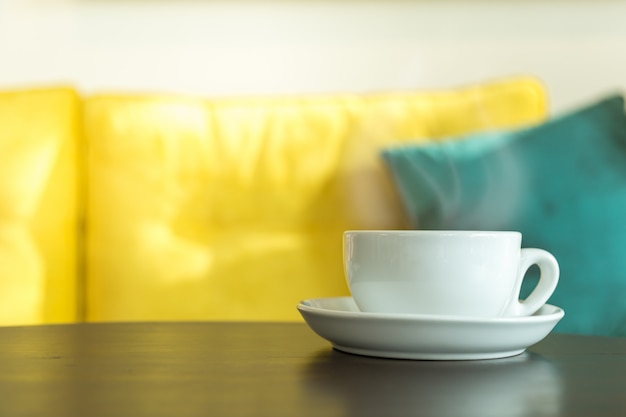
{"x":238,"y":47}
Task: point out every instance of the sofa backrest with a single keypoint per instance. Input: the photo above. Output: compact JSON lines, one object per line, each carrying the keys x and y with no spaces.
{"x":163,"y":207}
{"x":233,"y":209}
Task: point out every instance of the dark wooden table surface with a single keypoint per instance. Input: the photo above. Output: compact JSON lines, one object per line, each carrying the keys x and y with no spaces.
{"x":284,"y":369}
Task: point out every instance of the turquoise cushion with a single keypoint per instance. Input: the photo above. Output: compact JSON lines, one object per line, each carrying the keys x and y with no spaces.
{"x":562,"y":184}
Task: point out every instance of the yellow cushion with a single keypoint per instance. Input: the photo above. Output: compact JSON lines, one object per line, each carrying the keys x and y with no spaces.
{"x":234,"y":208}
{"x":39,"y":131}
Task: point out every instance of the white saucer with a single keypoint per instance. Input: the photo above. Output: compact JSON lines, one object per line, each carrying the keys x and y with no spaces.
{"x":405,"y":336}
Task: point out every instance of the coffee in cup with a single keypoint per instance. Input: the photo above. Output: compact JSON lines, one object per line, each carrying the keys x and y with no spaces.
{"x":446,"y":273}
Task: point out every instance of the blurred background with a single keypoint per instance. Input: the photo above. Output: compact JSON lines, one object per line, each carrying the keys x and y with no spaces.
{"x":238,"y":47}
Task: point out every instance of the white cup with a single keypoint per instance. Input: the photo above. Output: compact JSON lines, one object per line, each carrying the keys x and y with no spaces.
{"x":450,"y":273}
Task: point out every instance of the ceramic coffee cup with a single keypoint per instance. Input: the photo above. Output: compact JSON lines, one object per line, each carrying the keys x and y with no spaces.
{"x":451,"y":273}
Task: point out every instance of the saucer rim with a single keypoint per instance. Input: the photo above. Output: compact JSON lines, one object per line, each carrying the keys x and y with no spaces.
{"x":557,"y":313}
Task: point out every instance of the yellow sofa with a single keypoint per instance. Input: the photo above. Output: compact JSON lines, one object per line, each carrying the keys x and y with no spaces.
{"x":165,"y":207}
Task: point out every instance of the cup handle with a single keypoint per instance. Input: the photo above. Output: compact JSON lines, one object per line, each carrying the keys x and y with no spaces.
{"x":548,"y":279}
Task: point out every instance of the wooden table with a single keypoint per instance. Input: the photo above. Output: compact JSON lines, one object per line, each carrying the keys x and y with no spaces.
{"x":284,"y":369}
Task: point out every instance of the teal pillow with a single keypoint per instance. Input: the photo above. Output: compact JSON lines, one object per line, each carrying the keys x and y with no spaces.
{"x":562,"y":184}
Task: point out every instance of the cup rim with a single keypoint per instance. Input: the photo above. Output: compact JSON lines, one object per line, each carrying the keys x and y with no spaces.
{"x":432,"y":232}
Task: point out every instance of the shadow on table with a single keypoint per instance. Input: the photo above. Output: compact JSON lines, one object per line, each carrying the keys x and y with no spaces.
{"x":523,"y":385}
